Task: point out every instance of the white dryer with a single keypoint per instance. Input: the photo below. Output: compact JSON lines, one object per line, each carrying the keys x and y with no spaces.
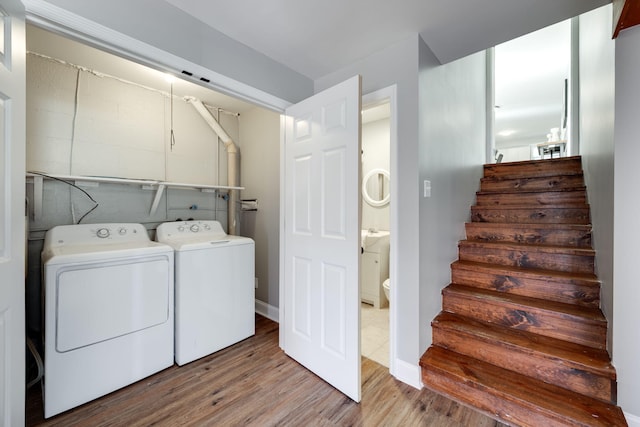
{"x":215,"y":294}
{"x":108,"y":311}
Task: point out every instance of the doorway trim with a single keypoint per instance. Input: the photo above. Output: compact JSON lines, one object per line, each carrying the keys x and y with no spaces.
{"x":372,"y":99}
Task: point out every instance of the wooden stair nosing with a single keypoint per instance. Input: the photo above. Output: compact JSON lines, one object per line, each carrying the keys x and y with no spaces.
{"x":532,"y":198}
{"x":588,"y":279}
{"x":571,"y":288}
{"x":530,"y":247}
{"x":500,"y":184}
{"x":556,"y":258}
{"x":526,"y":214}
{"x":512,"y":397}
{"x":584,"y":314}
{"x":583,"y":369}
{"x":582,"y":325}
{"x":549,"y":227}
{"x":574,"y":235}
{"x":533,"y":168}
{"x":518,"y":190}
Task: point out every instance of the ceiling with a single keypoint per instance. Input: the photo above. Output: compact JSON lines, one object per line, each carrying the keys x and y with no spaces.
{"x":317,"y":37}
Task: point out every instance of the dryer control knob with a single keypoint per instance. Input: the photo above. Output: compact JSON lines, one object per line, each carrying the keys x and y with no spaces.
{"x":103,"y":233}
{"x":180,"y":228}
{"x":122,"y":231}
{"x":195,"y":228}
{"x":207,"y":227}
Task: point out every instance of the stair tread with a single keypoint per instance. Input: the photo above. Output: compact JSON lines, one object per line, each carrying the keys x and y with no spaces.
{"x":572,"y":250}
{"x":590,"y":359}
{"x":530,"y":191}
{"x":586,"y":314}
{"x":532,"y":206}
{"x":569,"y":159}
{"x":536,"y":398}
{"x":542,"y":226}
{"x":558,"y":173}
{"x":566,"y":234}
{"x":550,"y":275}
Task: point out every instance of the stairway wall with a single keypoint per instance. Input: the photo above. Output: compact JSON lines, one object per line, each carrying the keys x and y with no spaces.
{"x":626,"y":345}
{"x":597,"y":92}
{"x":452,"y":152}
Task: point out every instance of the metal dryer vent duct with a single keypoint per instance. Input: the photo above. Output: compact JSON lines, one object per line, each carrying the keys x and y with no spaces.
{"x":232,"y":159}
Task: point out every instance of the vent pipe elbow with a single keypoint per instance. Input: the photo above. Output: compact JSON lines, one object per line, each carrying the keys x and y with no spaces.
{"x":232,"y":160}
{"x":212,"y":122}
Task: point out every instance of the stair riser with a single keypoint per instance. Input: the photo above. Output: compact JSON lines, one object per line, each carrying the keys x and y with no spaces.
{"x":540,"y":215}
{"x":561,"y":182}
{"x":541,"y":199}
{"x":548,"y":323}
{"x":528,"y":259}
{"x":524,"y":361}
{"x":491,"y":404}
{"x":534,"y":169}
{"x":539,"y":236}
{"x":585,"y":295}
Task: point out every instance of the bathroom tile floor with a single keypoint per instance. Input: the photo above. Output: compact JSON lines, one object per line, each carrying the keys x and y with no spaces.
{"x":374,"y":323}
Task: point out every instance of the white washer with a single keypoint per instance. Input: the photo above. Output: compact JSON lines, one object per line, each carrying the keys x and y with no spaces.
{"x":108,"y":311}
{"x":215,"y":294}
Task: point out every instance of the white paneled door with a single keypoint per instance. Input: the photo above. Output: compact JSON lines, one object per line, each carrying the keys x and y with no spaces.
{"x":320,"y":322}
{"x":12,"y":209}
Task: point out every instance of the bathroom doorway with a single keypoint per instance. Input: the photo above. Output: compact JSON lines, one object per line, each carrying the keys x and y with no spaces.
{"x":376,"y":235}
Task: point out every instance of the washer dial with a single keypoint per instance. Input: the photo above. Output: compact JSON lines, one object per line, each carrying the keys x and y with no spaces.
{"x":103,"y":233}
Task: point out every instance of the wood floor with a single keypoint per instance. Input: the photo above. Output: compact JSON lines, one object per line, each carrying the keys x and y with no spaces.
{"x":253,"y":383}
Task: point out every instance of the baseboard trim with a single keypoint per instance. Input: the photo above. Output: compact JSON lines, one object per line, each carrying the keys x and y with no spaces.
{"x":268,"y":311}
{"x":632,"y":420}
{"x":407,"y":373}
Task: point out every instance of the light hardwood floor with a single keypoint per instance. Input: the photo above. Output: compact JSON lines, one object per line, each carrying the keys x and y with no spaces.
{"x":253,"y":383}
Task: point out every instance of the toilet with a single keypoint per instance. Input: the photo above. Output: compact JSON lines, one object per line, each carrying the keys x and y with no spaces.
{"x":385,"y":286}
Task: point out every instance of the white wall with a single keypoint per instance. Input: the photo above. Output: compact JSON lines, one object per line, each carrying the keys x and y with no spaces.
{"x":398,"y":64}
{"x":375,"y":155}
{"x":626,"y":205}
{"x":597,"y":92}
{"x":452,"y":151}
{"x":84,"y":123}
{"x":176,"y":33}
{"x":260,"y":175}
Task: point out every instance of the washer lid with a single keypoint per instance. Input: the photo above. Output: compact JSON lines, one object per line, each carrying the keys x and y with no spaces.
{"x":201,"y":242}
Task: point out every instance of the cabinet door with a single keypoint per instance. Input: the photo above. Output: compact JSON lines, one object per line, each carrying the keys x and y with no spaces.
{"x":370,"y":278}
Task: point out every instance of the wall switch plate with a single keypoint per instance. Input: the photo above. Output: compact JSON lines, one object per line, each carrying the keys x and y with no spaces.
{"x":427,"y":188}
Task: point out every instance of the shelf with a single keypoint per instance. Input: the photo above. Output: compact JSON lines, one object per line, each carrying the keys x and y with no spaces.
{"x":86,"y":181}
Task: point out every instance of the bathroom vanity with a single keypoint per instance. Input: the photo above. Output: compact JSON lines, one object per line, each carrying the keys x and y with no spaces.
{"x":374,"y":267}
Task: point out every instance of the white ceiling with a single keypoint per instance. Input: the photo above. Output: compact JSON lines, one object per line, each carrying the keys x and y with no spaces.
{"x":317,"y":37}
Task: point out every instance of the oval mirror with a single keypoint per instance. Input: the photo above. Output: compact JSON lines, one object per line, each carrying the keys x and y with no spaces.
{"x":375,"y":187}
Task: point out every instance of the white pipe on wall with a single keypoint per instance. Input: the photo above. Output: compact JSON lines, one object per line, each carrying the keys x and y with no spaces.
{"x":232,"y":159}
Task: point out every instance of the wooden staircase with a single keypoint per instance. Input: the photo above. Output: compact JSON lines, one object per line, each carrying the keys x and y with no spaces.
{"x":521,"y":336}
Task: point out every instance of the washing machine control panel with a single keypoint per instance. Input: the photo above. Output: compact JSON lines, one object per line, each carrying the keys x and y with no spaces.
{"x":169,"y":230}
{"x":107,"y":233}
